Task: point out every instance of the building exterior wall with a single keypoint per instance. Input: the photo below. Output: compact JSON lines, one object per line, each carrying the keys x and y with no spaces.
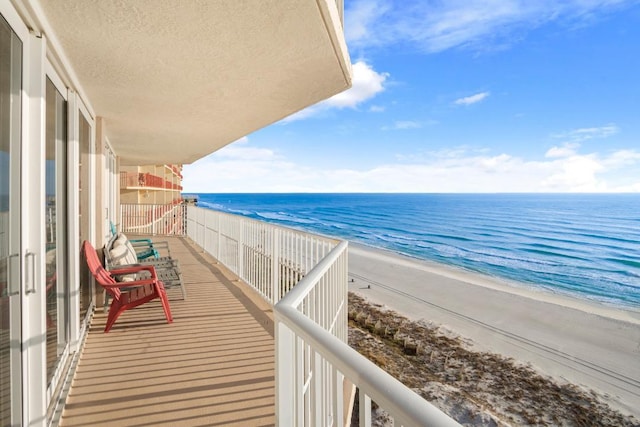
{"x":151,"y":184}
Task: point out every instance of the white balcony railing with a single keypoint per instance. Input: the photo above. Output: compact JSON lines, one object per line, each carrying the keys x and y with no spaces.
{"x":271,"y":259}
{"x":305,"y":277}
{"x":311,"y":364}
{"x":168,"y":219}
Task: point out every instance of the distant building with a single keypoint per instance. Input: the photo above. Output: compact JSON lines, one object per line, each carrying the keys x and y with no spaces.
{"x":150,"y":199}
{"x":151,"y":185}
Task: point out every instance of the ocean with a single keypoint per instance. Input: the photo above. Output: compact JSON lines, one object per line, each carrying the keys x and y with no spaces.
{"x":582,"y":245}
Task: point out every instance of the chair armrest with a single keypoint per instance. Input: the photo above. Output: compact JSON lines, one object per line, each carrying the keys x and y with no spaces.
{"x":141,"y":246}
{"x":133,"y":284}
{"x":146,"y":244}
{"x":134,"y":268}
{"x":134,"y":241}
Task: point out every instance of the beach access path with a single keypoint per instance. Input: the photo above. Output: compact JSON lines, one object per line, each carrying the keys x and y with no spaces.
{"x":584,"y":343}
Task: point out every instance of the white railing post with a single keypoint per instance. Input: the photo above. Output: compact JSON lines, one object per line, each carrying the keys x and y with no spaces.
{"x":275,"y":266}
{"x":207,"y":238}
{"x":365,"y":409}
{"x":241,"y":237}
{"x":285,"y":396}
{"x":217,"y":219}
{"x":317,"y":410}
{"x":187,"y":220}
{"x":121,"y":216}
{"x":153,"y":221}
{"x":204,"y":224}
{"x":338,"y":399}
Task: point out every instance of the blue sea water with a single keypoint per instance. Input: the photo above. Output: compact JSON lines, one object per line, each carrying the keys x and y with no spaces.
{"x":584,"y":245}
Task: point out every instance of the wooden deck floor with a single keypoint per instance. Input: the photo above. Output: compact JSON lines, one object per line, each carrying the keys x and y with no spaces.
{"x":213,"y":366}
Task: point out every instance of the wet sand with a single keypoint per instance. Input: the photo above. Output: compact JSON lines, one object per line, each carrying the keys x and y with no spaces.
{"x":588,"y":344}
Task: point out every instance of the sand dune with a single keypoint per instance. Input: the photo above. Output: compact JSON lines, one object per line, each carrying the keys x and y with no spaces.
{"x":587,"y":344}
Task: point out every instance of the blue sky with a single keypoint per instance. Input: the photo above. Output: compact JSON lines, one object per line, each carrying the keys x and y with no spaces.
{"x":460,"y":96}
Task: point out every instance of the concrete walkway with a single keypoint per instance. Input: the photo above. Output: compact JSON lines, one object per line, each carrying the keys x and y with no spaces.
{"x":213,"y":366}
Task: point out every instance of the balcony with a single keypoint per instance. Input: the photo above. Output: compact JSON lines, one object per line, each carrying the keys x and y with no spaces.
{"x":214,"y":365}
{"x":143,"y":181}
{"x":168,"y":219}
{"x":175,"y":169}
{"x":261,"y":340}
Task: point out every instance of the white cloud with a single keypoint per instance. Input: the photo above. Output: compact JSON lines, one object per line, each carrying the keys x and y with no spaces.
{"x":585,"y":134}
{"x":578,"y":173}
{"x":407,"y":124}
{"x":622,"y":158}
{"x":566,"y":150}
{"x":472,"y":99}
{"x":361,"y":16}
{"x":366,"y":84}
{"x":403,"y":125}
{"x":460,"y":169}
{"x":240,"y":149}
{"x":576,"y":137}
{"x":434,"y":26}
{"x":376,"y":109}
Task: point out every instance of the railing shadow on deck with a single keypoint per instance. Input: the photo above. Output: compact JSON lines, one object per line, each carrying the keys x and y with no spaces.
{"x":305,"y":278}
{"x":214,"y":365}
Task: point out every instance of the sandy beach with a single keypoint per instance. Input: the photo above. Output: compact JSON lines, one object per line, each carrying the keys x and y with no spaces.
{"x":588,"y":344}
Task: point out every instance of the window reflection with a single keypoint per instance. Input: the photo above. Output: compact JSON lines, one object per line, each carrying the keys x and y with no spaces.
{"x":55,"y":217}
{"x":10,"y":104}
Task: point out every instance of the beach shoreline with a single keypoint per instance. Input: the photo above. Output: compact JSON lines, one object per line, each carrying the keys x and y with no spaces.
{"x":622,"y":312}
{"x":586,"y":343}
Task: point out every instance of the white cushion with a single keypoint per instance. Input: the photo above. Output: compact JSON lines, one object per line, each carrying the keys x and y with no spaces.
{"x":117,"y":254}
{"x":120,"y":255}
{"x":132,"y":252}
{"x":121,"y":239}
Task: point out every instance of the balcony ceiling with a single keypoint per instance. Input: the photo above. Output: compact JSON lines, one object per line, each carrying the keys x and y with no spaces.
{"x":177,"y":80}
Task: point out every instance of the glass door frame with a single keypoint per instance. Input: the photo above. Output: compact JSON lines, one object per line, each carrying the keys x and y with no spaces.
{"x":111,"y":189}
{"x":31,"y":397}
{"x":78,"y":110}
{"x":16,"y":256}
{"x":63,"y":318}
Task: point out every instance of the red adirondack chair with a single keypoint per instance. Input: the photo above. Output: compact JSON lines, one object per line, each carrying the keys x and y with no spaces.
{"x":126,"y":295}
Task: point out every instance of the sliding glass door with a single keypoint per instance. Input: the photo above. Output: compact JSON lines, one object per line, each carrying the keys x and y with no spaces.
{"x":44,"y":298}
{"x":10,"y":228}
{"x":56,"y":251}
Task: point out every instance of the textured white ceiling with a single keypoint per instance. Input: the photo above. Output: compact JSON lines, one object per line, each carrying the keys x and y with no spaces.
{"x":176,"y":79}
